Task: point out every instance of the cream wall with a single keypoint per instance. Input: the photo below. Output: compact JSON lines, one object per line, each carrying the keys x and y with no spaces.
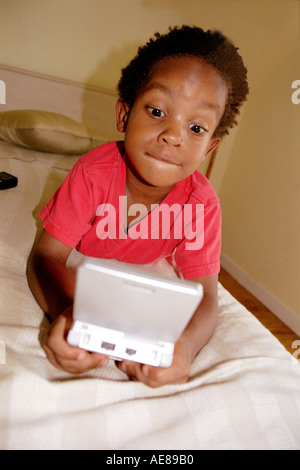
{"x":260,"y":190}
{"x":257,"y":171}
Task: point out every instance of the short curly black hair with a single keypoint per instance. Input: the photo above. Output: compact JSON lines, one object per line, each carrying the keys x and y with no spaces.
{"x":212,"y":46}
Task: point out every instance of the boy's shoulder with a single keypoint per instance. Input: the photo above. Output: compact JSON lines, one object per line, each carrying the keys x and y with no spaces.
{"x":106,"y":156}
{"x":200,"y":189}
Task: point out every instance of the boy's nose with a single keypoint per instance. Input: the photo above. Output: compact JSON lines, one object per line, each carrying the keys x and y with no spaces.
{"x":171,"y":136}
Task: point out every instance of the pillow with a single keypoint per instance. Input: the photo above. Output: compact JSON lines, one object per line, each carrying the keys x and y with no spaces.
{"x":48,"y":132}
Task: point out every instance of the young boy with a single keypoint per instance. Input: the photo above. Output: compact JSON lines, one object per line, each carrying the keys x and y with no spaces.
{"x":177,"y":99}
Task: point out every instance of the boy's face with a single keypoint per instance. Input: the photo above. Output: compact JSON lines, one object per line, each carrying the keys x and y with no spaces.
{"x":169,"y":130}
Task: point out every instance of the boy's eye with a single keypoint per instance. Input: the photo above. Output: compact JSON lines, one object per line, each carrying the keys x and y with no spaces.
{"x":156,"y":112}
{"x":196,"y":129}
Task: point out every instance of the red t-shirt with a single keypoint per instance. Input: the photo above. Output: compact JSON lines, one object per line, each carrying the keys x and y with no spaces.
{"x":86,"y":212}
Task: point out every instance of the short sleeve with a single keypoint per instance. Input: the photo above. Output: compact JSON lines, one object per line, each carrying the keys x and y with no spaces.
{"x":70,"y":212}
{"x":200,"y":257}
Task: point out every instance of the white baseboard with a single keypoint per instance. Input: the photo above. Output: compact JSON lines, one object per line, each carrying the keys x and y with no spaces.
{"x":286,"y":315}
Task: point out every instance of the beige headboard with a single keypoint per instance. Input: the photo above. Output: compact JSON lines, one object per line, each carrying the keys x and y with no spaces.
{"x":91,"y":106}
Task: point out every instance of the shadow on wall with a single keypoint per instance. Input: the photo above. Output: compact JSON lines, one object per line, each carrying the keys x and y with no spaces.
{"x":100,"y":107}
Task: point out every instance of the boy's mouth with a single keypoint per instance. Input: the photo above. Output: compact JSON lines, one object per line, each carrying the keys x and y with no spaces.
{"x":162,"y":158}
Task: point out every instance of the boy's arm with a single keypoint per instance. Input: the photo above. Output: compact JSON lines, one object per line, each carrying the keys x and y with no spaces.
{"x":203,"y":322}
{"x":192,"y":340}
{"x":48,"y":278}
{"x":53,"y":288}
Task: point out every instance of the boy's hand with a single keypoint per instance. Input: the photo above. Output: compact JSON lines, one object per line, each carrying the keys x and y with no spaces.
{"x":64,"y":356}
{"x":177,"y":373}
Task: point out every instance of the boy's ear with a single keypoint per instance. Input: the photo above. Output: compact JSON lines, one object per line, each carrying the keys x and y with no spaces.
{"x":122,"y":112}
{"x":212,"y":146}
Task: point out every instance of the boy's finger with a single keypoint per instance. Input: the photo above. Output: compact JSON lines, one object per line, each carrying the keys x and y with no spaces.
{"x":67,"y":357}
{"x":56,"y":340}
{"x":91,"y":361}
{"x":86,"y":361}
{"x":150,"y":376}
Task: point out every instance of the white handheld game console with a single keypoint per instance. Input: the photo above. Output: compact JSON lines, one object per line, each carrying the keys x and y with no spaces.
{"x":127,"y":313}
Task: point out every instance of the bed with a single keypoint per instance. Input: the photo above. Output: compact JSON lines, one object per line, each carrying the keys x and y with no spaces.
{"x":243,"y":391}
